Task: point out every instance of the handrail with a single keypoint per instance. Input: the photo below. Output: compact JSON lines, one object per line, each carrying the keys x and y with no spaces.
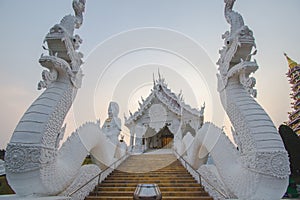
{"x":187,"y":163}
{"x":98,"y":175}
{"x":199,"y":175}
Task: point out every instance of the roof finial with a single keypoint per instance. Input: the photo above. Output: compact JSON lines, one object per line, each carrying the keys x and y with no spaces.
{"x":154,"y":80}
{"x":292,"y":63}
{"x":159,"y":77}
{"x":179,"y":95}
{"x":202,"y":109}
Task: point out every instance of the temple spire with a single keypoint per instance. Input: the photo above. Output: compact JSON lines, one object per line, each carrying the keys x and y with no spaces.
{"x":292,"y":63}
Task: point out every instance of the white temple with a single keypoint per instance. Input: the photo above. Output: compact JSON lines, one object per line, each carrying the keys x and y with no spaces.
{"x":162,"y":118}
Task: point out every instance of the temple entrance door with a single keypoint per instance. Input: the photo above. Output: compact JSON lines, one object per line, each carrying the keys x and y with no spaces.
{"x":166,"y":138}
{"x":167,"y":142}
{"x":162,"y":139}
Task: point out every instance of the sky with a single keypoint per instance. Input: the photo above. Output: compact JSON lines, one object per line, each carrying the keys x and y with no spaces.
{"x":125,"y":42}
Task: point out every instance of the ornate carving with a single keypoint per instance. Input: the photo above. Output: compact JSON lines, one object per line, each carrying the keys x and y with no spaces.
{"x":47,"y":78}
{"x":273,"y":163}
{"x":171,"y":101}
{"x":24,"y":158}
{"x":158,"y":117}
{"x":15,"y":158}
{"x":55,"y":121}
{"x":248,"y":83}
{"x":242,"y":136}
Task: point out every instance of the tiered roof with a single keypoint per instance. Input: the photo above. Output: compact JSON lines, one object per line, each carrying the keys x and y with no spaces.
{"x":173,"y":102}
{"x":294,"y":79}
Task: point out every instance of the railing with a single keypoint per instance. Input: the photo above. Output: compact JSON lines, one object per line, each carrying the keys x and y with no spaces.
{"x":112,"y":167}
{"x":188,"y":166}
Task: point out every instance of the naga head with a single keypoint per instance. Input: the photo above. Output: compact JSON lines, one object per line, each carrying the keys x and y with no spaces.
{"x":62,"y":46}
{"x":243,"y":42}
{"x":235,"y":56}
{"x":55,"y":42}
{"x":238,"y":42}
{"x":61,"y":40}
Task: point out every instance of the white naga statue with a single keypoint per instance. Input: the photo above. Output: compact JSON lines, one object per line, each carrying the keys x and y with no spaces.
{"x":112,"y":125}
{"x":35,"y":165}
{"x":258,"y":168}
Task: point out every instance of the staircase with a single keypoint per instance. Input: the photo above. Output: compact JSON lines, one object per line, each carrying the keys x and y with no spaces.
{"x":163,"y":169}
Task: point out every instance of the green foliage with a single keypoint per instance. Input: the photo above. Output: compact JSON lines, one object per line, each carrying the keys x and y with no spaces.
{"x":292,"y":144}
{"x":4,"y":187}
{"x":87,"y":161}
{"x":2,"y":153}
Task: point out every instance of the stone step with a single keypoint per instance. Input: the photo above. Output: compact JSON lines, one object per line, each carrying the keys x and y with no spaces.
{"x":160,"y":184}
{"x":150,"y":178}
{"x":149,"y":181}
{"x":179,"y":170}
{"x":130,"y":198}
{"x":167,"y":172}
{"x":150,"y":175}
{"x":164,"y":193}
{"x":161,"y":189}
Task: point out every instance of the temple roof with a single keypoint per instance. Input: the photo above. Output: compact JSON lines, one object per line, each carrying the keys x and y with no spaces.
{"x":173,"y":102}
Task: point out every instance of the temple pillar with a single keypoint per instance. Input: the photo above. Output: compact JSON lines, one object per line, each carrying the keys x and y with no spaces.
{"x":140,"y":131}
{"x":131,"y":139}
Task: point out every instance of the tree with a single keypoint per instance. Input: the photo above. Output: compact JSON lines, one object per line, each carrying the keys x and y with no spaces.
{"x":2,"y":153}
{"x":292,"y":144}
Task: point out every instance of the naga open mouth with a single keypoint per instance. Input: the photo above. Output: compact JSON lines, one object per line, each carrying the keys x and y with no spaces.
{"x":56,"y":41}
